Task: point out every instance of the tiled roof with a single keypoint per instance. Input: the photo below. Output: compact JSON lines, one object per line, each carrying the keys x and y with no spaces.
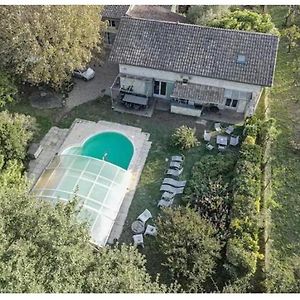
{"x":196,"y":50}
{"x":115,"y":11}
{"x":155,"y":12}
{"x":198,"y":93}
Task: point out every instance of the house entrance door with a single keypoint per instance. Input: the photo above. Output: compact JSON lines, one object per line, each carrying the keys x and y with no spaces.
{"x":160,"y":88}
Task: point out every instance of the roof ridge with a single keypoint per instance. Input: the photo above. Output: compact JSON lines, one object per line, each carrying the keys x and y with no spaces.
{"x":201,"y":26}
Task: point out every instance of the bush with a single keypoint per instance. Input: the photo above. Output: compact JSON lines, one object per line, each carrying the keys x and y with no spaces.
{"x":242,"y":247}
{"x":184,"y":137}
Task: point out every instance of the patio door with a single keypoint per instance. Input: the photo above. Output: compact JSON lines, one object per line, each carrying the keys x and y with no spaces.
{"x":160,"y":88}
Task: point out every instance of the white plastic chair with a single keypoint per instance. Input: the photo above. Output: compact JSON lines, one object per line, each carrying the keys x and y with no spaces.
{"x":234,"y":140}
{"x":209,"y":146}
{"x":206,"y":136}
{"x":218,"y":126}
{"x":229,"y":129}
{"x":145,"y":216}
{"x":138,"y":240}
{"x":151,"y":230}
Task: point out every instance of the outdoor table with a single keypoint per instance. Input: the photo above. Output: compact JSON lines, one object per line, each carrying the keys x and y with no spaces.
{"x":222,"y":140}
{"x":138,"y":226}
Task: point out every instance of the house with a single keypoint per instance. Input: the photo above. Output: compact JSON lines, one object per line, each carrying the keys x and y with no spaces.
{"x":113,"y":14}
{"x":193,"y":68}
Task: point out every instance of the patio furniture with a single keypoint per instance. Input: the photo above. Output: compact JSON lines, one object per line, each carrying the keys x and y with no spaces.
{"x":151,"y":230}
{"x":175,"y":165}
{"x":165,"y":203}
{"x":229,"y":129}
{"x":175,"y":183}
{"x":209,"y":146}
{"x":168,"y":195}
{"x":145,"y":216}
{"x":138,"y":240}
{"x":206,"y":136}
{"x":171,"y":189}
{"x":138,"y":226}
{"x":222,"y":140}
{"x":178,"y":158}
{"x":218,"y":127}
{"x":234,"y":140}
{"x":174,"y":172}
{"x":221,"y":148}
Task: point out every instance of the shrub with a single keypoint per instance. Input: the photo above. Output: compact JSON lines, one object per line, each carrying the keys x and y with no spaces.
{"x":184,"y":137}
{"x":242,"y":247}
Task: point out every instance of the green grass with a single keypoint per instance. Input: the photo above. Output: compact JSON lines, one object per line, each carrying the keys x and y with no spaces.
{"x":285,"y":108}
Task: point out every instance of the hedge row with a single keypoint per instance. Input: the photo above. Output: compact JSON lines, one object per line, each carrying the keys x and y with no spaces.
{"x":242,"y":246}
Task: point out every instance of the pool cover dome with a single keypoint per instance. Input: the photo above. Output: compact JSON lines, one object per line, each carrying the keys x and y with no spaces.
{"x":100,"y":186}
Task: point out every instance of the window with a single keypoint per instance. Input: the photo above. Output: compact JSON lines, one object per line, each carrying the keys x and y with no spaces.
{"x":234,"y":103}
{"x":112,"y":23}
{"x":241,"y":59}
{"x":160,"y":88}
{"x":228,"y":102}
{"x":231,"y":102}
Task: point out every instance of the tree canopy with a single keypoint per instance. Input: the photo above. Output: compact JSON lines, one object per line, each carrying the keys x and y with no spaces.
{"x":203,"y":14}
{"x":246,"y":20}
{"x":44,"y":249}
{"x":44,"y":44}
{"x":293,"y":35}
{"x":189,"y":245}
{"x":8,"y":89}
{"x":16,"y":130}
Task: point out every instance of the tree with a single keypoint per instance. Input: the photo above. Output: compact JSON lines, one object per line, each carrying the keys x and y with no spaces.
{"x":203,"y":14}
{"x":184,"y":137}
{"x":292,"y":12}
{"x":44,"y":44}
{"x":8,"y":90}
{"x":45,"y":249}
{"x":293,"y":35}
{"x":15,"y":133}
{"x":246,"y":20}
{"x":189,"y":245}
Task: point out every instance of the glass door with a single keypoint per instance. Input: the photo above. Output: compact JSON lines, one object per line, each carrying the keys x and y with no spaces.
{"x":160,"y":88}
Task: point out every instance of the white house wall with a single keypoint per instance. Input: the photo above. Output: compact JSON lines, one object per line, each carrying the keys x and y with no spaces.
{"x":172,"y":77}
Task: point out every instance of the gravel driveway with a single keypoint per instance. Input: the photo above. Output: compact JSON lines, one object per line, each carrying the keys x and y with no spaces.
{"x":85,"y":91}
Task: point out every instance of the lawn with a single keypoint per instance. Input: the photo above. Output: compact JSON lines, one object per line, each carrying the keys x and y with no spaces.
{"x":285,"y":108}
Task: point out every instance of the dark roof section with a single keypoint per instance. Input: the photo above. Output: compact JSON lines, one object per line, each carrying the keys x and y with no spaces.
{"x":115,"y":11}
{"x":155,"y":12}
{"x":196,"y":50}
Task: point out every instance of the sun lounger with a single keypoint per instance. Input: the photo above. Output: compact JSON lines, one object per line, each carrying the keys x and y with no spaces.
{"x":171,"y":189}
{"x":178,"y":158}
{"x":175,"y":165}
{"x":174,"y":172}
{"x":145,"y":216}
{"x":175,"y":183}
{"x":168,"y":195}
{"x":218,"y":126}
{"x":206,"y":136}
{"x":229,"y":129}
{"x":165,"y":203}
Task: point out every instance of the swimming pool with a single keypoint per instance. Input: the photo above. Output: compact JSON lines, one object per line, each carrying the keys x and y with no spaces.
{"x":109,"y":146}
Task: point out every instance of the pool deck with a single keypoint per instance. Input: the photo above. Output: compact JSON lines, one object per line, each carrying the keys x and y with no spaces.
{"x":57,"y":140}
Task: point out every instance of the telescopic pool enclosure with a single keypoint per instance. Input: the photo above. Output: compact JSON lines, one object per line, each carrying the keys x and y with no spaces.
{"x":99,"y":185}
{"x":98,"y":162}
